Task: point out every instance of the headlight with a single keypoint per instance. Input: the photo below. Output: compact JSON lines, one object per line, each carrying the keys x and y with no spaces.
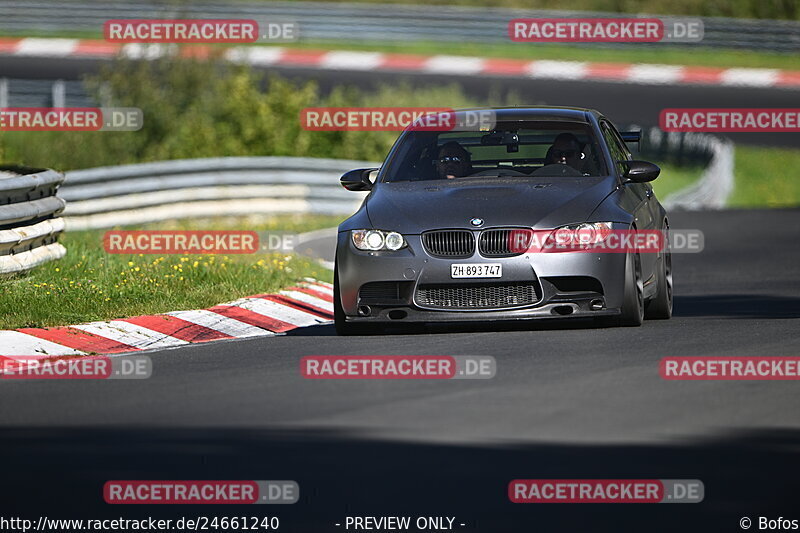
{"x":394,"y":241}
{"x":584,"y":234}
{"x":375,"y":239}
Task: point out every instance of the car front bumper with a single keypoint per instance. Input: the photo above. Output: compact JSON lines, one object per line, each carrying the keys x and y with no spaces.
{"x":573,"y":284}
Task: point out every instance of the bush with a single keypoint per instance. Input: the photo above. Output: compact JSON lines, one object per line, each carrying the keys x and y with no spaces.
{"x":195,"y":108}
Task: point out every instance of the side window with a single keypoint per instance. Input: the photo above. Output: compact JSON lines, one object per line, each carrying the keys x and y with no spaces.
{"x":616,"y":146}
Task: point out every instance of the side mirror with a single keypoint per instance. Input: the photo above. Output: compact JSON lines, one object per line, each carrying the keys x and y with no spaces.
{"x":641,"y":171}
{"x":357,"y":180}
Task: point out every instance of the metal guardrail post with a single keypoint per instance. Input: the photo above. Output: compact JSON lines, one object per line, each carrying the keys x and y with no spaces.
{"x":3,"y":92}
{"x":59,"y":93}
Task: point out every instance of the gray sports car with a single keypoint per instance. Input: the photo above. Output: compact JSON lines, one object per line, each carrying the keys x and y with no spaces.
{"x":447,"y":231}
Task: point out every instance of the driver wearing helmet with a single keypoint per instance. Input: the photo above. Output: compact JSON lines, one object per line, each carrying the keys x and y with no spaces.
{"x":453,"y":161}
{"x":566,"y":150}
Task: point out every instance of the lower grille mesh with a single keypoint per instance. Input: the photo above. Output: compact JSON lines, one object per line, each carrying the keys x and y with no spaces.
{"x":478,"y":295}
{"x":385,"y":292}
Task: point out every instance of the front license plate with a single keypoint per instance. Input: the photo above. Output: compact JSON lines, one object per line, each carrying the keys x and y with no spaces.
{"x":476,"y":270}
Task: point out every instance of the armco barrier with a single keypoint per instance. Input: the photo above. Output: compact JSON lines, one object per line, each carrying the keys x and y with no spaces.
{"x":29,"y":223}
{"x":365,"y":22}
{"x":150,"y":192}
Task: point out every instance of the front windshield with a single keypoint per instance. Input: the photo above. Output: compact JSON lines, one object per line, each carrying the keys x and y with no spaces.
{"x":528,"y":148}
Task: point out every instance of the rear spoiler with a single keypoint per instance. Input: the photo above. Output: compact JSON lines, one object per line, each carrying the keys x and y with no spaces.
{"x":631,"y":136}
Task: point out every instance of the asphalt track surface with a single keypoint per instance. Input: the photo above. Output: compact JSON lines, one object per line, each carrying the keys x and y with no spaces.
{"x":622,"y":103}
{"x":568,"y":401}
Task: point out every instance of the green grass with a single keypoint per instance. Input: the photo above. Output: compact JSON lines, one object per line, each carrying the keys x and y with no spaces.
{"x":89,"y":284}
{"x":677,"y":55}
{"x":674,"y":178}
{"x":766,"y":177}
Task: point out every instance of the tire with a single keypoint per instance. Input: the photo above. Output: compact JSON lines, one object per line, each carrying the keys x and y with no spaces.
{"x":339,"y":321}
{"x":660,"y":307}
{"x":633,"y":297}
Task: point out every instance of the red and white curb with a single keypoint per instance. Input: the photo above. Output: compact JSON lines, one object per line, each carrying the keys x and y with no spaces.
{"x":437,"y":64}
{"x":306,"y":304}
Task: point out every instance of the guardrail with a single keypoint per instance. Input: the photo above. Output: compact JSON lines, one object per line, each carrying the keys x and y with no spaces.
{"x":16,"y":92}
{"x":29,"y":225}
{"x":365,"y":22}
{"x":227,"y":186}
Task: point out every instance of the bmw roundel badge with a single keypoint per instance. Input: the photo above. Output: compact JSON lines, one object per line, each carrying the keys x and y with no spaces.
{"x":477,"y":222}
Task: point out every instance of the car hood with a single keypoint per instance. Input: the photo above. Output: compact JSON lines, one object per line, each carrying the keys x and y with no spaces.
{"x":412,"y":207}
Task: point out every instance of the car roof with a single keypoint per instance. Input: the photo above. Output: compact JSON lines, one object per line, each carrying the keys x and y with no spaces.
{"x":555,"y":113}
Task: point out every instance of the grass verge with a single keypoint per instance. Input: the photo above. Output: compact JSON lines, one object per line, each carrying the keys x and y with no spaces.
{"x":89,"y":284}
{"x":674,"y":178}
{"x":766,"y":177}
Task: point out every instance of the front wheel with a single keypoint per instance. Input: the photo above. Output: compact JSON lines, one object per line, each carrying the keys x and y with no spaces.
{"x":660,"y":307}
{"x":632,"y":312}
{"x":633,"y":298}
